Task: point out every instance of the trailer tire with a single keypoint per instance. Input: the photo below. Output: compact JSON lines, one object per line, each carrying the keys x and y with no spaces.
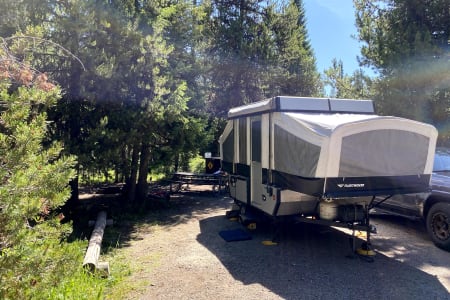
{"x":438,"y":225}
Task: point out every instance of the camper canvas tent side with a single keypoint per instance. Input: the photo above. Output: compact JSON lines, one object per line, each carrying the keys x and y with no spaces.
{"x":320,"y":157}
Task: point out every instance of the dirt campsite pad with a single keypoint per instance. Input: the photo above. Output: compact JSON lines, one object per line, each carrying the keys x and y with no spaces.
{"x":181,"y":255}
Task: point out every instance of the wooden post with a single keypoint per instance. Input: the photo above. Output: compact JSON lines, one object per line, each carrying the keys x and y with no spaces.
{"x":93,"y":252}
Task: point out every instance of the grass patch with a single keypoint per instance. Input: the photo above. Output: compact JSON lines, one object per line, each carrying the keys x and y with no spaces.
{"x":48,"y":265}
{"x":131,"y":281}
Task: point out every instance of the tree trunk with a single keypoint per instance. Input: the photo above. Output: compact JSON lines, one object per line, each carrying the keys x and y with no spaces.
{"x":142,"y":187}
{"x":177,"y":162}
{"x":125,"y":166}
{"x":68,"y":209}
{"x":131,"y":189}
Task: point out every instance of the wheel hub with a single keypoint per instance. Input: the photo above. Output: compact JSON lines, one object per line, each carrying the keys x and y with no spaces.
{"x":440,"y":226}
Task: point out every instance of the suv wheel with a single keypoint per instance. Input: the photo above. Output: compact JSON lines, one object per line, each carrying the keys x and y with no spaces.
{"x":438,"y":219}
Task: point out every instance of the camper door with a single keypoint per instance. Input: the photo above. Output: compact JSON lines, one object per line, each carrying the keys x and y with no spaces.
{"x":255,"y":159}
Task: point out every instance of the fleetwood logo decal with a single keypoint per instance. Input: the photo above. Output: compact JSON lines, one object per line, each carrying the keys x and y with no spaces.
{"x":351,"y":185}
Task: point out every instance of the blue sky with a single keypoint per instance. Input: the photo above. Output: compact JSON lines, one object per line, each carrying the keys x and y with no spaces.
{"x":330,"y":24}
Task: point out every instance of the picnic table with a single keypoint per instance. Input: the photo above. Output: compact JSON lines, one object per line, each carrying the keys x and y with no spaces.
{"x":218,"y":180}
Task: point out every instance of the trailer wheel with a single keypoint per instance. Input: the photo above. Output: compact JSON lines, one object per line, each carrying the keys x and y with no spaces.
{"x":438,"y":220}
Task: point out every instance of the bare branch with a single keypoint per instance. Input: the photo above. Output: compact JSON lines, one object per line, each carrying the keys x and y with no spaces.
{"x":34,"y":39}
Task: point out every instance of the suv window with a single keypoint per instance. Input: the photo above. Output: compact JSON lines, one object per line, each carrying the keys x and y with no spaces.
{"x":441,"y":162}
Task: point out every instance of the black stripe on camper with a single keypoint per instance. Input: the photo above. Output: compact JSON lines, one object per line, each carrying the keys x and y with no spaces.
{"x":243,"y":170}
{"x":376,"y":185}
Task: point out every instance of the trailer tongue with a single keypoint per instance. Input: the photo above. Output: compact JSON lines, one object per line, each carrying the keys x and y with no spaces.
{"x":323,"y":160}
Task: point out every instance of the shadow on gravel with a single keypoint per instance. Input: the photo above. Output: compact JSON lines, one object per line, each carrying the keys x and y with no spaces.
{"x":312,"y":261}
{"x":179,"y":209}
{"x":415,"y":226}
{"x":407,"y":240}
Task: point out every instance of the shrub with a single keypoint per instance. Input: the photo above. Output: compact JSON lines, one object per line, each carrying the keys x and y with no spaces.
{"x":33,"y":182}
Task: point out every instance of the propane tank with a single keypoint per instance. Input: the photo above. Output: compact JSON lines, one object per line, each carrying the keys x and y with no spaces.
{"x":328,"y":210}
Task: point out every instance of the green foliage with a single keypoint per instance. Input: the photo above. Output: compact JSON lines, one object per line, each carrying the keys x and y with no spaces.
{"x":47,"y":266}
{"x":197,"y":164}
{"x":293,"y":63}
{"x":399,"y":32}
{"x":257,"y":51}
{"x":30,"y":173}
{"x":356,"y":86}
{"x":407,"y":42}
{"x":33,"y":177}
{"x":41,"y":267}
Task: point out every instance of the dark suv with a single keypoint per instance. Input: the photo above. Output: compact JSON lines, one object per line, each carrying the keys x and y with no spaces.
{"x":433,"y":208}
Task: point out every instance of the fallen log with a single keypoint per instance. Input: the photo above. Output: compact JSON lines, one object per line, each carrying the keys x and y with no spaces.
{"x":92,"y":256}
{"x":109,"y":222}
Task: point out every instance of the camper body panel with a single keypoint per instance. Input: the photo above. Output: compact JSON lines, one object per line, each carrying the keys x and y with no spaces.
{"x":266,"y":201}
{"x":278,"y":202}
{"x":293,"y":153}
{"x":239,"y":187}
{"x":292,"y":203}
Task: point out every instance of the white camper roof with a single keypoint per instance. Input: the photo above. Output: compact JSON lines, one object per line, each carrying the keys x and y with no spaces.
{"x":325,"y":124}
{"x":337,"y":135}
{"x":303,"y":104}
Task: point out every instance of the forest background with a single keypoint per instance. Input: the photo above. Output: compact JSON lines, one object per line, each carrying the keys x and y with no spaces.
{"x":123,"y":89}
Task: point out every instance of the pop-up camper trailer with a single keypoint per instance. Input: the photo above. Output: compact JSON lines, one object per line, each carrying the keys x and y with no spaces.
{"x":322,"y":159}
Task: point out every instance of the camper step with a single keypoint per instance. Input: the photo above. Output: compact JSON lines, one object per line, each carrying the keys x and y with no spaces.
{"x":248,"y":220}
{"x":232,"y":214}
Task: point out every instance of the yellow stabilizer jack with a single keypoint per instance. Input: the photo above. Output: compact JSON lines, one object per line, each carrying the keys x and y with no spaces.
{"x":361,"y":233}
{"x":251,"y":226}
{"x":364,"y":251}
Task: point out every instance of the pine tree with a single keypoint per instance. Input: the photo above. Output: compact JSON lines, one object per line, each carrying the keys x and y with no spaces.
{"x":259,"y":50}
{"x":407,"y":42}
{"x":294,"y":59}
{"x":355,"y":86}
{"x":34,"y":176}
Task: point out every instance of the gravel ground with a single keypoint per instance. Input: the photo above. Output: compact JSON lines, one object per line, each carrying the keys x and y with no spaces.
{"x":183,"y":257}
